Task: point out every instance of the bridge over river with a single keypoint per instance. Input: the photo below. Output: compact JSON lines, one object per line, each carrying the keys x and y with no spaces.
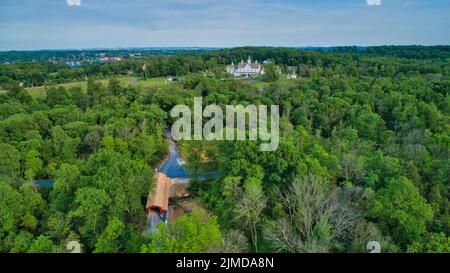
{"x":170,"y":175}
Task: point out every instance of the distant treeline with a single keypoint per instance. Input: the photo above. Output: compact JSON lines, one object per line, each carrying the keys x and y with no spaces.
{"x":405,"y":59}
{"x":412,"y":52}
{"x":45,"y":55}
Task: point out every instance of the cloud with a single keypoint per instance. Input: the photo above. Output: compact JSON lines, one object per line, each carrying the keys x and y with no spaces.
{"x":74,"y":2}
{"x":374,"y":2}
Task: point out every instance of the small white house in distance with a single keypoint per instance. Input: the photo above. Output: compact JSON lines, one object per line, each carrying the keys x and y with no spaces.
{"x":247,"y":69}
{"x":173,"y":79}
{"x":291,"y":76}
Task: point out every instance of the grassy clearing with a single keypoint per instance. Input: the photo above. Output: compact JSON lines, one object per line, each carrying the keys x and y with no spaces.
{"x":288,"y":82}
{"x":154,"y":82}
{"x":39,"y":92}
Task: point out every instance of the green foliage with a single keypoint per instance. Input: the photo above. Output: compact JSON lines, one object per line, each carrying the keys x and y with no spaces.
{"x":271,"y":73}
{"x":431,"y":243}
{"x":42,"y":245}
{"x":10,"y":208}
{"x":110,"y":240}
{"x":9,"y":162}
{"x":22,"y":242}
{"x":91,"y":204}
{"x":191,"y":233}
{"x":401,"y":211}
{"x":66,"y":179}
{"x":33,"y":165}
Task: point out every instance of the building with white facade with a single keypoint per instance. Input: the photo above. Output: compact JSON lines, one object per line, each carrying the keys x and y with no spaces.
{"x":247,"y":69}
{"x":291,"y":76}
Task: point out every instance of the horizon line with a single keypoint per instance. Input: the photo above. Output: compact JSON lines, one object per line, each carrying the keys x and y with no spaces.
{"x":210,"y":47}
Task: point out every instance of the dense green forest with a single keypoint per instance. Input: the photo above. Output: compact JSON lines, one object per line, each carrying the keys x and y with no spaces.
{"x":363,"y":155}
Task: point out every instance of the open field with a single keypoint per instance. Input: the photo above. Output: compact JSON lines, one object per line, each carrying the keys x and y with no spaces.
{"x":39,"y":92}
{"x":154,"y":82}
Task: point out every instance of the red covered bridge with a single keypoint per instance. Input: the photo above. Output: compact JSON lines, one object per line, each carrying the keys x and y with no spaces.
{"x":159,"y":198}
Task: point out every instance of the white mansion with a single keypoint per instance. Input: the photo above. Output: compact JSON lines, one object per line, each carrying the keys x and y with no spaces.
{"x":247,"y":69}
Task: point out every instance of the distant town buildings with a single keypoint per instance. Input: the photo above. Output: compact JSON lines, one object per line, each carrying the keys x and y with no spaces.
{"x":248,"y":69}
{"x":111,"y":59}
{"x":73,"y":64}
{"x":78,"y":60}
{"x":135,"y":55}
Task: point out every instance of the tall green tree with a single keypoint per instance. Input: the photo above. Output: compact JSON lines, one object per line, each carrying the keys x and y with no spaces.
{"x":401,"y":211}
{"x":42,"y":244}
{"x":112,"y":238}
{"x":431,"y":243}
{"x":271,"y":73}
{"x":191,"y":233}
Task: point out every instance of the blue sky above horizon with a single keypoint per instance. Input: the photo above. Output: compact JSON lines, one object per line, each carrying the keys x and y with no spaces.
{"x":60,"y":24}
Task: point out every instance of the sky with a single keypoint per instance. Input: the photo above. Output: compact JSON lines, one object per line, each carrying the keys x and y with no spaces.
{"x":76,"y":24}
